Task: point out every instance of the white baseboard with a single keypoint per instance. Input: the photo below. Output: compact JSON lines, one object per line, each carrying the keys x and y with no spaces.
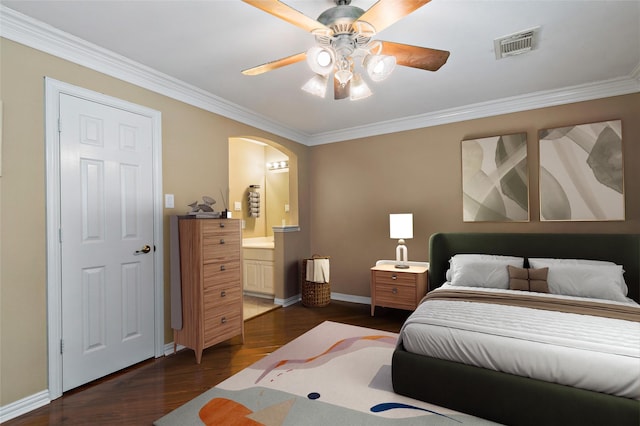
{"x":24,"y":405}
{"x":351,"y":298}
{"x":168,"y":349}
{"x":334,"y":296}
{"x":288,"y":301}
{"x":256,"y":294}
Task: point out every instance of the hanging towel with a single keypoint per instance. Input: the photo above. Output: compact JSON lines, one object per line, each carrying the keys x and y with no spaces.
{"x":321,"y":270}
{"x":309,"y":272}
{"x":317,"y":270}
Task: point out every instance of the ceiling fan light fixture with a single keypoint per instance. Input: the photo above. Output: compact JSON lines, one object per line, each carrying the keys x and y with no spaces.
{"x":343,"y":34}
{"x":321,"y":60}
{"x":317,"y":85}
{"x":359,"y":89}
{"x":379,"y":67}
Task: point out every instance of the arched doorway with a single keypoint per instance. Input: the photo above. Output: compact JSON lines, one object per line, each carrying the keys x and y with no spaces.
{"x":263,"y":192}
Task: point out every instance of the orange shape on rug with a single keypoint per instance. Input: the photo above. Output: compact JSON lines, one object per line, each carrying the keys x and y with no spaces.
{"x":221,"y":411}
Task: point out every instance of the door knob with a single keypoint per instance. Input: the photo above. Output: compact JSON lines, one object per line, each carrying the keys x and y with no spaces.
{"x":145,"y":249}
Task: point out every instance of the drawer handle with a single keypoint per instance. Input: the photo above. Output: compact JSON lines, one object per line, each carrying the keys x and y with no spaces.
{"x":221,"y":240}
{"x":222,"y":268}
{"x":223,"y":320}
{"x":394,"y":277}
{"x":223,"y":293}
{"x":221,"y":225}
{"x":394,"y":290}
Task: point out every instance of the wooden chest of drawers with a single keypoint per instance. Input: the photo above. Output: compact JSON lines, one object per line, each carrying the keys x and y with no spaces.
{"x":397,"y":288}
{"x":211,"y":282}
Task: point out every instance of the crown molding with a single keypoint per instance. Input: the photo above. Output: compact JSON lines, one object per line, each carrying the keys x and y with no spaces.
{"x":25,"y":30}
{"x":585,"y":92}
{"x":38,"y":35}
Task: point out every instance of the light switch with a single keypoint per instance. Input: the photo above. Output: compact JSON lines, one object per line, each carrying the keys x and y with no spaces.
{"x":168,"y":201}
{"x":286,"y":208}
{"x":237,"y":206}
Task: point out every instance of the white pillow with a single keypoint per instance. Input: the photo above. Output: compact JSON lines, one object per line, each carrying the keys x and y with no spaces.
{"x":595,"y":281}
{"x":616,"y":271}
{"x":482,"y":270}
{"x":549,"y":261}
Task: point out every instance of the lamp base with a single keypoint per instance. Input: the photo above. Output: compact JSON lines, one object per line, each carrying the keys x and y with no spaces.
{"x":399,"y":266}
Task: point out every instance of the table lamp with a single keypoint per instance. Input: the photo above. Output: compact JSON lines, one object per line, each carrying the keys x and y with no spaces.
{"x":401,"y":227}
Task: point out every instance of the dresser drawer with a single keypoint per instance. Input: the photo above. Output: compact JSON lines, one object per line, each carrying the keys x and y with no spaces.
{"x":221,"y":272}
{"x":221,"y":246}
{"x":219,"y":227}
{"x":221,"y":324}
{"x":221,"y":294}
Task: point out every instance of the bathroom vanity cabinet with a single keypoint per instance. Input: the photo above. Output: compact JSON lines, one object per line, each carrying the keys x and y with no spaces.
{"x":258,"y":270}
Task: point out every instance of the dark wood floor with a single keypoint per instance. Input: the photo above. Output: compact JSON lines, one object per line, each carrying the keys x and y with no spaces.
{"x":147,"y":391}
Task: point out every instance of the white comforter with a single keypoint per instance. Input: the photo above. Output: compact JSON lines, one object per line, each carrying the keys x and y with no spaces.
{"x":594,"y":353}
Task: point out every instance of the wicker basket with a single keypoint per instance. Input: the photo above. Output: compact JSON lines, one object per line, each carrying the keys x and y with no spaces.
{"x":314,"y":294}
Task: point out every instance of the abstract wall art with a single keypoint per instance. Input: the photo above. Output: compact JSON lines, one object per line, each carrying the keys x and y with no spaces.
{"x":581,"y":172}
{"x":495,"y":179}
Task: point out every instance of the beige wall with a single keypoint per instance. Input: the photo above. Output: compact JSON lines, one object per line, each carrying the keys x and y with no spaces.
{"x":195,"y":163}
{"x":356,"y":184}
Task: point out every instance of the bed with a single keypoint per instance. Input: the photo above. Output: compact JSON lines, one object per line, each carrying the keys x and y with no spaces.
{"x":509,"y":398}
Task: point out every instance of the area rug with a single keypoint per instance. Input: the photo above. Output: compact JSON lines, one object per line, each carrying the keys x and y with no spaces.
{"x":335,"y":374}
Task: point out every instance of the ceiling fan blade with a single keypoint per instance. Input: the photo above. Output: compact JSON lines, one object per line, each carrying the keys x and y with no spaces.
{"x":387,"y":12}
{"x":287,"y":13}
{"x":279,"y":63}
{"x":340,"y":91}
{"x":414,"y":56}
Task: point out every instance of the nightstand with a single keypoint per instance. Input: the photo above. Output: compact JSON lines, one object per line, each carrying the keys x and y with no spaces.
{"x":398,"y":288}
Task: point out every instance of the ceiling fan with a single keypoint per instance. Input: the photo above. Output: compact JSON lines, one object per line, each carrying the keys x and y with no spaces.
{"x":343,"y":34}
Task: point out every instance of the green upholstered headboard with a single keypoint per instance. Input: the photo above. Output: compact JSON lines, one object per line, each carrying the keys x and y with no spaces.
{"x":623,"y":249}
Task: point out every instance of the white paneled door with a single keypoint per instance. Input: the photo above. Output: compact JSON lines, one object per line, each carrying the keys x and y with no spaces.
{"x":106,"y":202}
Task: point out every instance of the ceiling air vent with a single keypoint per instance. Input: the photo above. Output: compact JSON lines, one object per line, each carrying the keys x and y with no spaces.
{"x":516,"y":44}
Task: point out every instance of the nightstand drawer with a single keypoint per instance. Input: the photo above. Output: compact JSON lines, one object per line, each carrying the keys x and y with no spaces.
{"x":388,"y":295}
{"x":395,"y":278}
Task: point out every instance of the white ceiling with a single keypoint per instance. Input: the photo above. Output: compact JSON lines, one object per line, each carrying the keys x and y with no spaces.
{"x":587,"y":49}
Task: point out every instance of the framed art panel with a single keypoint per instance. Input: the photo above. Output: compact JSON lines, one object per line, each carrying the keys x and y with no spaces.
{"x":495,"y":179}
{"x":581,"y":172}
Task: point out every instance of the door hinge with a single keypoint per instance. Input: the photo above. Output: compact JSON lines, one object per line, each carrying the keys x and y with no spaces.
{"x":61,"y":346}
{"x":60,"y":234}
{"x":59,"y":126}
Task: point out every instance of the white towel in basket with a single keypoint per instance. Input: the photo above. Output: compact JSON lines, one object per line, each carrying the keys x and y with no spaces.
{"x":318,"y":270}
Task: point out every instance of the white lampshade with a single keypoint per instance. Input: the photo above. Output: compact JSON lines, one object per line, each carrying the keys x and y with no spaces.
{"x":320,"y":60}
{"x":401,"y":226}
{"x":379,"y":67}
{"x":359,"y":89}
{"x":317,"y":85}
